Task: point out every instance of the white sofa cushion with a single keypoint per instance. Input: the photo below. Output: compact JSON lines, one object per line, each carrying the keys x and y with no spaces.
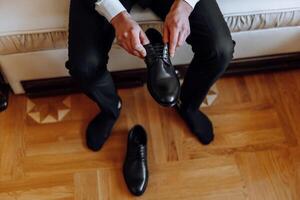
{"x":30,"y":16}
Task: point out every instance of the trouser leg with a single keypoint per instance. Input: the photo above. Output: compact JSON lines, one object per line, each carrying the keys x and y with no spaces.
{"x":90,"y":40}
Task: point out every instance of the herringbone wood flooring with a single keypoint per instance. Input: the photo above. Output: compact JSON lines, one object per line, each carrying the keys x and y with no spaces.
{"x":255,"y":155}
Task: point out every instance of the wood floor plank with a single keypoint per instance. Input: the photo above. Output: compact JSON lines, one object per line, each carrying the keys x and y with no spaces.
{"x":281,"y":104}
{"x":52,"y":193}
{"x":288,"y":89}
{"x":268,"y":174}
{"x":295,"y":158}
{"x":12,"y":140}
{"x":35,"y":182}
{"x":86,"y":185}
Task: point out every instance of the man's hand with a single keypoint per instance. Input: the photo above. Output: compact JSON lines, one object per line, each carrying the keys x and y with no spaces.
{"x":177,"y":26}
{"x":129,"y":34}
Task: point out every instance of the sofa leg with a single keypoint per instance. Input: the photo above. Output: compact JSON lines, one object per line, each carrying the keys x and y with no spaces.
{"x":4,"y":94}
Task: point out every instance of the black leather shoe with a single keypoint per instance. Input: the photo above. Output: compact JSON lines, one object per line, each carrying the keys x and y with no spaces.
{"x":4,"y":93}
{"x":135,"y":169}
{"x":162,"y":81}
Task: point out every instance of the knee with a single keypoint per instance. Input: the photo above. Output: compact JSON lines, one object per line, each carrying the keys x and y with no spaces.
{"x":86,"y":67}
{"x":223,"y":49}
{"x":217,"y":53}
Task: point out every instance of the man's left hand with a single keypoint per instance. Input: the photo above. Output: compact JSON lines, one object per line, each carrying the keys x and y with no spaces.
{"x":177,"y":25}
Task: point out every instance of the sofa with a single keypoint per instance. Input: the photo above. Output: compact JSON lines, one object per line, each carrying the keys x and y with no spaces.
{"x":34,"y":33}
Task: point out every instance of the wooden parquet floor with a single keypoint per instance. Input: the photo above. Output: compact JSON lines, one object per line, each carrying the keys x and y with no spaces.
{"x":255,"y":155}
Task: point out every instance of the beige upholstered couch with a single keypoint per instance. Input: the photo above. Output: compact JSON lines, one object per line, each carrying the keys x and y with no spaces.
{"x":33,"y":35}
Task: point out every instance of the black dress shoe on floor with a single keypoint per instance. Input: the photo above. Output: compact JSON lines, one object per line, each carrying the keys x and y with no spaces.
{"x":135,"y":169}
{"x":162,"y":81}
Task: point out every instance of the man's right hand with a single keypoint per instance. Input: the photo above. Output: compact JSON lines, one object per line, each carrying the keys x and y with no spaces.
{"x":129,"y":34}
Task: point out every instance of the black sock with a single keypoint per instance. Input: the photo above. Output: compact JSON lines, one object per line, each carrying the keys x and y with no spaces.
{"x":198,"y":123}
{"x":99,"y":130}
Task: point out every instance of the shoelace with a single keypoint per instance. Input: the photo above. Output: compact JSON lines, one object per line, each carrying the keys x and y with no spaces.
{"x":158,"y":51}
{"x":138,"y":153}
{"x":142,"y":152}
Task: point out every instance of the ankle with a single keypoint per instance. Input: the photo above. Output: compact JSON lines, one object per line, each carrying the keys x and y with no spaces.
{"x":113,"y":113}
{"x":183,"y":108}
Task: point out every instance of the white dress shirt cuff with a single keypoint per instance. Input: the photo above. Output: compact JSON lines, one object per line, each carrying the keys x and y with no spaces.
{"x":109,"y":8}
{"x":192,"y":2}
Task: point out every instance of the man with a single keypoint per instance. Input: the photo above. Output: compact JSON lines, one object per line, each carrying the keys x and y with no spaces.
{"x":93,"y":27}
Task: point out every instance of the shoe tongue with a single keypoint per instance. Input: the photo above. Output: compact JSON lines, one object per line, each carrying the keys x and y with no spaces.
{"x":154,"y":36}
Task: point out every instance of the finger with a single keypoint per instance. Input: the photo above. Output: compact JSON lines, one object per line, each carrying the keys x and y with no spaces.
{"x":136,"y":43}
{"x":124,"y":46}
{"x":121,"y":40}
{"x":126,"y":42}
{"x":173,"y":41}
{"x":144,"y":39}
{"x":181,"y":38}
{"x":136,"y":53}
{"x":124,"y":39}
{"x":127,"y":46}
{"x":166,"y":34}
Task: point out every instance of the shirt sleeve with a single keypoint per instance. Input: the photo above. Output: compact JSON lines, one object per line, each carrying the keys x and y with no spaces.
{"x":192,"y":2}
{"x":109,"y":8}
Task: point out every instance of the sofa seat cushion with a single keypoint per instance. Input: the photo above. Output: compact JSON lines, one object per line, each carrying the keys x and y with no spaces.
{"x":46,"y":26}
